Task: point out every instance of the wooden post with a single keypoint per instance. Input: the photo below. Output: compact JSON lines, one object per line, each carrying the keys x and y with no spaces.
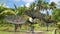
{"x":32,"y":28}
{"x":47,"y":26}
{"x":16,"y":26}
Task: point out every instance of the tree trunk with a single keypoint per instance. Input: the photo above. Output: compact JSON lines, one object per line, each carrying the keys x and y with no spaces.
{"x":20,"y":25}
{"x":16,"y":26}
{"x":32,"y":28}
{"x":47,"y":26}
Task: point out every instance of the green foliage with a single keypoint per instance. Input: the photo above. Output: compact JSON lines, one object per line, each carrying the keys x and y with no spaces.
{"x":7,"y":12}
{"x":39,"y":1}
{"x":32,"y":6}
{"x":1,"y":9}
{"x":21,"y":10}
{"x":58,"y":25}
{"x":56,"y":14}
{"x":1,"y":17}
{"x":52,"y":5}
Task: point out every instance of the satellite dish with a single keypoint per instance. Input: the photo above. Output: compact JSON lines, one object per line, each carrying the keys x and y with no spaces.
{"x":15,"y":19}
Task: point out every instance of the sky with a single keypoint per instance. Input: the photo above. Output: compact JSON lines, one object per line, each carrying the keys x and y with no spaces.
{"x":10,"y":3}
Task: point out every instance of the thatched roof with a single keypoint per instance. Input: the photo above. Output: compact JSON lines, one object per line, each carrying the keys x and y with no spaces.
{"x":15,"y":19}
{"x":34,"y":14}
{"x":38,"y":15}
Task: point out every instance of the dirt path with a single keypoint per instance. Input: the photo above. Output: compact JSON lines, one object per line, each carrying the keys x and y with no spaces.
{"x":29,"y":33}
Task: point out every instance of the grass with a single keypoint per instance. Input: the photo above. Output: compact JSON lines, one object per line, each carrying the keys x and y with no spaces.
{"x":24,"y":27}
{"x":3,"y":32}
{"x":49,"y":32}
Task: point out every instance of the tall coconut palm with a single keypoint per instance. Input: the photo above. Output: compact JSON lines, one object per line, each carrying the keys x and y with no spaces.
{"x":32,"y":6}
{"x":20,"y":10}
{"x":38,"y":15}
{"x":39,"y":5}
{"x":52,"y":5}
{"x":45,"y":7}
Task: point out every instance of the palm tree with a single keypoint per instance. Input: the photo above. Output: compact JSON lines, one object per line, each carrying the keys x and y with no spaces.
{"x":39,"y":5}
{"x":52,"y":5}
{"x":45,"y":6}
{"x":20,"y":10}
{"x":2,"y":8}
{"x":32,"y":6}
